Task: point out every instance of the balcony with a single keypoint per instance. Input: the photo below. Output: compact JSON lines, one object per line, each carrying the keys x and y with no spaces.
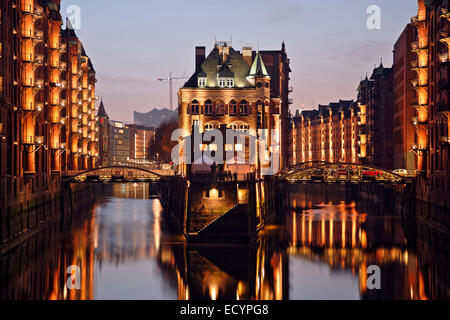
{"x":416,"y":64}
{"x":290,"y":101}
{"x":62,"y":65}
{"x":444,"y":58}
{"x":445,"y":14}
{"x":39,"y":107}
{"x":28,"y":140}
{"x":55,"y":84}
{"x":38,"y":10}
{"x":418,"y":46}
{"x":417,"y":105}
{"x":444,"y":37}
{"x":290,"y":89}
{"x":416,"y":22}
{"x":417,"y":84}
{"x":418,"y":147}
{"x":55,"y":119}
{"x":28,"y":106}
{"x":38,"y":35}
{"x":39,"y":59}
{"x":39,"y":84}
{"x":417,"y":122}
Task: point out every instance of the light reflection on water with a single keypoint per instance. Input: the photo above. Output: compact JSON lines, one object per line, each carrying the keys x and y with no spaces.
{"x":124,"y":249}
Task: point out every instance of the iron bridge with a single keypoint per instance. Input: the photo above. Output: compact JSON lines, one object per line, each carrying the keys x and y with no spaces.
{"x":326,"y":172}
{"x":116,"y":174}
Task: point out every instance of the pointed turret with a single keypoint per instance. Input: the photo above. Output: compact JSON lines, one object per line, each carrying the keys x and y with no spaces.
{"x":258,"y":68}
{"x":102,"y":111}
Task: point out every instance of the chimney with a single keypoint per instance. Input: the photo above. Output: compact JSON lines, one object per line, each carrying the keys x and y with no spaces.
{"x":199,"y":56}
{"x":247,"y":55}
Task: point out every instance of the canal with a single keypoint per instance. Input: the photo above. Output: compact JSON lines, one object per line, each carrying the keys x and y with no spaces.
{"x":122,"y":248}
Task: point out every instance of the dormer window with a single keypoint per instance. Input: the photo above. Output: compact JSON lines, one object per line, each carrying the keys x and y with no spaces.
{"x":202,"y":82}
{"x":226,"y":82}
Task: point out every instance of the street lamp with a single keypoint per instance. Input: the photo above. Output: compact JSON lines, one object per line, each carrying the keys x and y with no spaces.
{"x":62,"y":149}
{"x":39,"y":142}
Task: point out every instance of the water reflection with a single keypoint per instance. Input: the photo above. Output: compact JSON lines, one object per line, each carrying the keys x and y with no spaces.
{"x":125,"y":251}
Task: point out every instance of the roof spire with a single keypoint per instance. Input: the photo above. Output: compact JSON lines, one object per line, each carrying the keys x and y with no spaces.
{"x":258,"y":68}
{"x":101,"y":109}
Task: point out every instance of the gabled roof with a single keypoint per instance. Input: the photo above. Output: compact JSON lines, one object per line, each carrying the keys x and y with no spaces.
{"x":214,"y":66}
{"x":225,"y":72}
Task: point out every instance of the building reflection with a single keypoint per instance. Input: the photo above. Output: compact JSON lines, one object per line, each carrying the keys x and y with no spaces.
{"x":227,"y":272}
{"x":342,"y":236}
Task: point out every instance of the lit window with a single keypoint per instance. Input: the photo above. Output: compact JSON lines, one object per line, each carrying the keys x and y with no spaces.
{"x":195,"y":107}
{"x":243,"y":127}
{"x":233,"y":107}
{"x":220,"y":108}
{"x":226,"y":82}
{"x":209,"y":107}
{"x":243,"y":107}
{"x":209,"y":127}
{"x":201,"y":82}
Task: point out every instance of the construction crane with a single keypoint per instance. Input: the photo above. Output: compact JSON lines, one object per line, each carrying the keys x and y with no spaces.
{"x":170,"y":79}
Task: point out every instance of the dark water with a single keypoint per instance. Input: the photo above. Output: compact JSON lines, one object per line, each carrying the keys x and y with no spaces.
{"x":124,"y":250}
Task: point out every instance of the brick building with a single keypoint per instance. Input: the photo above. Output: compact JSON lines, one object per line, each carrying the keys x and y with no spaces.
{"x":47,"y":100}
{"x":140,"y":138}
{"x":404,"y":96}
{"x":244,"y":91}
{"x":327,"y":134}
{"x":431,"y":84}
{"x":375,"y":96}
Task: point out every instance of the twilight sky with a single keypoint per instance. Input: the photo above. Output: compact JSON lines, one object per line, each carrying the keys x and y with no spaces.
{"x":131,"y":43}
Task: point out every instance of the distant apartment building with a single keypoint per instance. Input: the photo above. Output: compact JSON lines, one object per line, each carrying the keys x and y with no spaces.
{"x":432,"y":108}
{"x":327,"y":134}
{"x":119,"y":143}
{"x":140,"y":138}
{"x":404,"y":98}
{"x":375,"y":97}
{"x":47,"y":100}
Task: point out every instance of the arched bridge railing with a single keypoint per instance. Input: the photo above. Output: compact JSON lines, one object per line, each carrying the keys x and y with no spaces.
{"x":114,"y":174}
{"x":340,"y":172}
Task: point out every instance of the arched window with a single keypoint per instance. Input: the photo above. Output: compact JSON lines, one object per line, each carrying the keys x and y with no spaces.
{"x":234,"y":126}
{"x":195,"y":107}
{"x":233,"y":108}
{"x":243,"y":107}
{"x":220,"y":107}
{"x":243,"y":127}
{"x":209,"y":127}
{"x":208,"y":107}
